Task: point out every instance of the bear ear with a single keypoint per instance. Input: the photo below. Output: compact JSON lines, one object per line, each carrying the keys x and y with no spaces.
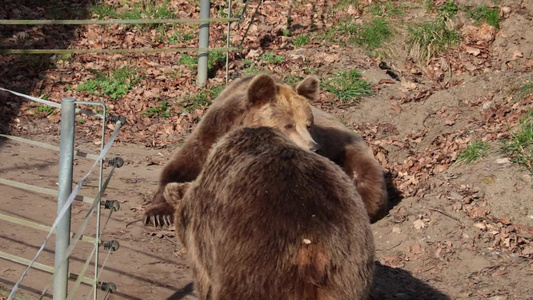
{"x":309,"y":87}
{"x":262,"y":89}
{"x":174,"y":192}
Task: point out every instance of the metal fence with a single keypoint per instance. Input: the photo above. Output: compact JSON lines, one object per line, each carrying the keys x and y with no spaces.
{"x":65,"y":239}
{"x":203,"y":40}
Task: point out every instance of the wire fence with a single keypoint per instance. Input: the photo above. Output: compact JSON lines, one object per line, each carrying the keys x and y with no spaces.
{"x":203,"y":37}
{"x":66,"y":240}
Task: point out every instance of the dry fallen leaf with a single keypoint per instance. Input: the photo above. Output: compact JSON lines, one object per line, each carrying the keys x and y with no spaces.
{"x":517,"y":54}
{"x":472,"y":50}
{"x":480,"y":226}
{"x":419,"y":224}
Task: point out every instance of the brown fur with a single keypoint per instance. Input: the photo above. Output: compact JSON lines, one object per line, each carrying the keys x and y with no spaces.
{"x":268,"y":220}
{"x":351,"y":153}
{"x":260,"y":101}
{"x":250,"y":101}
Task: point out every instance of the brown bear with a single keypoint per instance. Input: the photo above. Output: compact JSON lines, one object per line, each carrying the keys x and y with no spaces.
{"x":266,"y":219}
{"x":250,"y":101}
{"x":261,"y":101}
{"x":350,"y":152}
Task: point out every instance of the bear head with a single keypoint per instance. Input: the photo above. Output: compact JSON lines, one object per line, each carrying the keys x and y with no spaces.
{"x":277,"y":105}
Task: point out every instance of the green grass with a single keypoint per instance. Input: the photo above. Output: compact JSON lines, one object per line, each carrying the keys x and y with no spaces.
{"x":301,"y":40}
{"x":103,"y":11}
{"x":188,"y":60}
{"x":162,"y":109}
{"x":114,"y":86}
{"x":290,"y":79}
{"x":385,"y":9}
{"x":473,"y":152}
{"x":347,"y":86}
{"x":520,"y":147}
{"x":145,"y":9}
{"x":181,"y":36}
{"x":449,"y":9}
{"x":526,"y":90}
{"x":373,"y":35}
{"x":431,"y":38}
{"x":270,"y":58}
{"x":370,"y":36}
{"x":43,"y":108}
{"x":487,"y":15}
{"x":201,"y":99}
{"x":213,"y":62}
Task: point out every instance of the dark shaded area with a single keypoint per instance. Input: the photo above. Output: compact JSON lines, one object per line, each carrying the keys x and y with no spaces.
{"x":24,"y":72}
{"x":395,"y":195}
{"x":23,"y":287}
{"x":399,"y":284}
{"x":187,"y":289}
{"x":182,"y":293}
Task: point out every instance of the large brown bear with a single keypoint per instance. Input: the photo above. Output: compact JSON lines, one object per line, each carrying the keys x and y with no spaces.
{"x":250,"y":101}
{"x":261,"y":101}
{"x":350,"y":152}
{"x":266,"y":219}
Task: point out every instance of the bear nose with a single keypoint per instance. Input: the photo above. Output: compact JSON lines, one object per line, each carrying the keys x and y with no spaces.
{"x":314,"y":147}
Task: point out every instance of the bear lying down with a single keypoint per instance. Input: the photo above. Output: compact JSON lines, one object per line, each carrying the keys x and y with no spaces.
{"x":260,"y":100}
{"x":266,"y":219}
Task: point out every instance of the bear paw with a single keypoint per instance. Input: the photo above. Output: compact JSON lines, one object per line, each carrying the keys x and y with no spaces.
{"x":159,"y":215}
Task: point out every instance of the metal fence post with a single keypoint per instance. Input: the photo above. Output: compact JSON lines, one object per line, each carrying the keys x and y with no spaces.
{"x":203,"y":43}
{"x":66,"y":154}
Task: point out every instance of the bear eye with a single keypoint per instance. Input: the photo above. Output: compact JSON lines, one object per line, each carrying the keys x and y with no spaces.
{"x":289,"y":126}
{"x":309,"y":125}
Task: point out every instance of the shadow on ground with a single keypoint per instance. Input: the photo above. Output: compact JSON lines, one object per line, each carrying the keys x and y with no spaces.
{"x":398,"y":284}
{"x":24,"y":72}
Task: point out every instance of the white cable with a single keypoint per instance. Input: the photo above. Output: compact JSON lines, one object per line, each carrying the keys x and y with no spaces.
{"x":50,"y":103}
{"x":65,"y":208}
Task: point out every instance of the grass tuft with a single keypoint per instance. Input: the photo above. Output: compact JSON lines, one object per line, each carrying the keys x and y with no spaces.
{"x":482,"y":14}
{"x":270,"y":58}
{"x":162,"y":109}
{"x":201,"y":99}
{"x":369,"y":36}
{"x":520,"y":147}
{"x":114,"y":86}
{"x":301,"y":40}
{"x":348,"y":86}
{"x":145,"y":9}
{"x":431,"y":38}
{"x":473,"y":152}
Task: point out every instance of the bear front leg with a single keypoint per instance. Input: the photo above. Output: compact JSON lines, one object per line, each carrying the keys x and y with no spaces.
{"x":368,"y":177}
{"x":160,"y":212}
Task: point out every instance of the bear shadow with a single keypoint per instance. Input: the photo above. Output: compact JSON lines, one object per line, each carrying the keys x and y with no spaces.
{"x":183,"y":292}
{"x":395,"y":195}
{"x":398,"y":284}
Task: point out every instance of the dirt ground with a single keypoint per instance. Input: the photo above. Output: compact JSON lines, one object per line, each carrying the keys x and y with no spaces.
{"x":454,"y":230}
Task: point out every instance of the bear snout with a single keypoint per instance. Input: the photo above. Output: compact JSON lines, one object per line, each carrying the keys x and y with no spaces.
{"x":314,"y":147}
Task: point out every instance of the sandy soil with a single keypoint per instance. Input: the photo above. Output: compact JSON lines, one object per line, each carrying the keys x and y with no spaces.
{"x":454,"y":231}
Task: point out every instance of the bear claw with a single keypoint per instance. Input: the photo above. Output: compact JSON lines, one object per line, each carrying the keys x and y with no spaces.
{"x":158,"y":220}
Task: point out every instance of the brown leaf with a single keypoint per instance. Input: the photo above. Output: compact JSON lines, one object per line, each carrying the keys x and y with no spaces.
{"x":331,"y":58}
{"x":397,"y":108}
{"x":472,"y":50}
{"x":477,"y":212}
{"x":517,"y":54}
{"x":419,"y":224}
{"x":505,"y":220}
{"x":387,"y":81}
